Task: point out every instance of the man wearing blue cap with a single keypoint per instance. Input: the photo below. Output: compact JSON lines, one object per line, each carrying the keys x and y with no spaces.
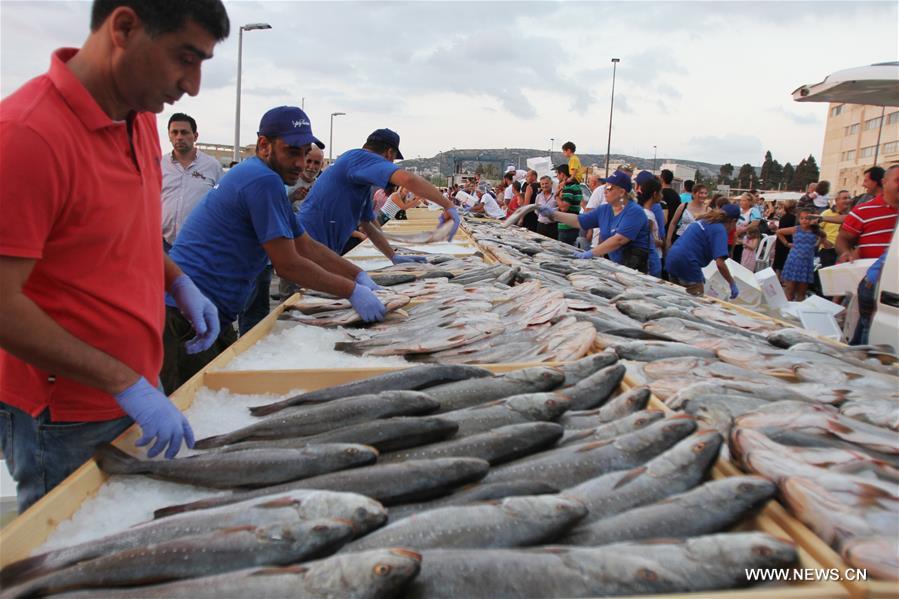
{"x":242,"y":223}
{"x":342,"y":198}
{"x":622,"y":225}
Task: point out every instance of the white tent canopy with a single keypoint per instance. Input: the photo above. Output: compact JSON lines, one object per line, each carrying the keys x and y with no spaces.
{"x":876,"y":85}
{"x":781,"y":196}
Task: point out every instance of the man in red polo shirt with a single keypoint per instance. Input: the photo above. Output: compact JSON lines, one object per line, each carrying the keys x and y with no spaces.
{"x":868,"y":228}
{"x":82,"y":273}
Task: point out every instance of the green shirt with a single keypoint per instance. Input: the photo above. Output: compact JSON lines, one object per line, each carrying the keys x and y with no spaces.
{"x":572,"y":194}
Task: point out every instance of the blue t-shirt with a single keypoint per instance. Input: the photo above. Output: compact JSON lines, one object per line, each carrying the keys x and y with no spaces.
{"x":342,"y":197}
{"x":220,"y":244}
{"x":701,"y":243}
{"x":630,"y":222}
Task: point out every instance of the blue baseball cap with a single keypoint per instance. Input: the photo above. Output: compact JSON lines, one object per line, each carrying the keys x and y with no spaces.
{"x":387,"y":137}
{"x":643,"y":177}
{"x":731,"y":210}
{"x":290,"y":124}
{"x":620,"y":179}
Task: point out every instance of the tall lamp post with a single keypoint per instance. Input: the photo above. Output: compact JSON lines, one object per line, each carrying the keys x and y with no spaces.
{"x":331,"y":135}
{"x":653,"y":159}
{"x":552,"y":144}
{"x":247,"y":27}
{"x":615,"y":62}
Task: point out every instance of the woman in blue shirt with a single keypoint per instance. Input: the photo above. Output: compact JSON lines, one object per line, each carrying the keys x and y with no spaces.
{"x":703,"y":241}
{"x":622,"y":224}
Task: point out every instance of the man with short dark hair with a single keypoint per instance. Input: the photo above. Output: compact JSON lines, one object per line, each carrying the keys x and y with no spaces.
{"x":873,"y":184}
{"x":508,"y":192}
{"x":868,"y":228}
{"x":82,"y":271}
{"x":187,"y":174}
{"x":245,"y":222}
{"x":670,"y":199}
{"x":529,"y":192}
{"x":342,"y":198}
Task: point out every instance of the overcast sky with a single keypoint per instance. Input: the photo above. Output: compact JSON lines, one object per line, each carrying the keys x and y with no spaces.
{"x":707,"y":81}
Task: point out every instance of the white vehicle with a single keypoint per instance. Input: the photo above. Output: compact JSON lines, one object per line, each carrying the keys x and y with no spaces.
{"x":876,"y":84}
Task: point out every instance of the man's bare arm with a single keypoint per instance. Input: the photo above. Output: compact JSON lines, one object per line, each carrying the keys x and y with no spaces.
{"x":377,"y":238}
{"x":28,"y":333}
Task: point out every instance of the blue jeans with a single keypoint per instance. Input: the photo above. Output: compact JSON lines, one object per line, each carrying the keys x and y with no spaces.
{"x":40,"y":454}
{"x":655,"y":264}
{"x":259,"y":306}
{"x":867,"y":304}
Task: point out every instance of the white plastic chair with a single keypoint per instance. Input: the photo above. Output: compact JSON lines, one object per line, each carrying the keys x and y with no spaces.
{"x":764,"y":251}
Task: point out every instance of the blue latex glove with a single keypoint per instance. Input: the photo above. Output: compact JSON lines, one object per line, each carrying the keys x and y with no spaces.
{"x":157,"y":417}
{"x":367,"y":304}
{"x":734,"y":291}
{"x":585,"y":255}
{"x":397,"y":259}
{"x":363,"y":279}
{"x":454,"y":214}
{"x":199,"y":312}
{"x":546,"y":211}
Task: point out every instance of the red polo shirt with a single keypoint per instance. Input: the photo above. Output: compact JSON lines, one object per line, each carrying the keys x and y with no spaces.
{"x":83,"y":204}
{"x":874,"y":223}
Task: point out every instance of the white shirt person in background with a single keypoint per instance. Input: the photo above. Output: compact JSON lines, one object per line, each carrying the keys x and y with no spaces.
{"x":187,"y":174}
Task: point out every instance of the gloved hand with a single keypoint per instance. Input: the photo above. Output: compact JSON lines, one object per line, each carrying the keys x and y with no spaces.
{"x":546,"y":211}
{"x":366,"y":281}
{"x":454,"y":214}
{"x":585,"y":255}
{"x":367,"y":304}
{"x":157,"y":417}
{"x":734,"y":290}
{"x":199,"y":312}
{"x":397,"y":259}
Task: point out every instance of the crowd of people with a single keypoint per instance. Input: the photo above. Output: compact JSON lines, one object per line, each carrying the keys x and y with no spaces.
{"x":642,"y":222}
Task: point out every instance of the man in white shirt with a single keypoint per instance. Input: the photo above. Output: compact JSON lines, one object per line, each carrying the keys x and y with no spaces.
{"x":187,"y":174}
{"x":297,"y":193}
{"x":488,"y":202}
{"x":597,"y":198}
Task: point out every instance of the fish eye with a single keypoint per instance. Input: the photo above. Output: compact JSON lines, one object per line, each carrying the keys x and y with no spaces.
{"x":699,"y":447}
{"x":381,"y":569}
{"x":762,"y":551}
{"x":647,"y":574}
{"x":351,"y":450}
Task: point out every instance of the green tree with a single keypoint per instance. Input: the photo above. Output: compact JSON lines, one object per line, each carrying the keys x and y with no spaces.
{"x":777,"y":172}
{"x":787,"y":177}
{"x":767,"y":165}
{"x":814,"y":173}
{"x":747,"y":178}
{"x":725,"y":173}
{"x":800,"y":176}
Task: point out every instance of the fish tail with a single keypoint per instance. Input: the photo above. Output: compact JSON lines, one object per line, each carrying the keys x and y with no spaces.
{"x":350,"y":347}
{"x":18,"y":572}
{"x":113,"y":460}
{"x":171,"y":510}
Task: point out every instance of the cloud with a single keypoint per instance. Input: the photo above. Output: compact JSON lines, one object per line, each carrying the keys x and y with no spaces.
{"x":796,"y":118}
{"x":731,"y":147}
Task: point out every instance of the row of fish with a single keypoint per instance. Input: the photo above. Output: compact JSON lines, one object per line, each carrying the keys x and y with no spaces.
{"x":507,"y":492}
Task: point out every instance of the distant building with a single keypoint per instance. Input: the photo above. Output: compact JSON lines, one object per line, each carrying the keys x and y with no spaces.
{"x":850,"y":143}
{"x":225,"y":153}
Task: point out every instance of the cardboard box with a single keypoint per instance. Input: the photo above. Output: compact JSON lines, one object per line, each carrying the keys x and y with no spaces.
{"x":772,"y":290}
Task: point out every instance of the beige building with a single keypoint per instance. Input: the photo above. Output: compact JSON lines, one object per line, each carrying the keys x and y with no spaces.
{"x":850,"y":141}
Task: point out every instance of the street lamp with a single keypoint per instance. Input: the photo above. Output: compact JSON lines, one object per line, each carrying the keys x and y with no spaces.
{"x":331,"y":136}
{"x":552,"y":144}
{"x":653,"y":159}
{"x":247,"y":27}
{"x":615,"y":62}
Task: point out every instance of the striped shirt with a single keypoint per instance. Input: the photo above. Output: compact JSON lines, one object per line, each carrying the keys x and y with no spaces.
{"x":874,"y":223}
{"x":573,"y":195}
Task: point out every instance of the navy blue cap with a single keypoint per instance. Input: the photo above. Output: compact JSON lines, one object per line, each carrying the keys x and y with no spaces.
{"x":388,"y":137}
{"x":290,"y":124}
{"x":620,"y":179}
{"x":643,"y":177}
{"x":731,"y":210}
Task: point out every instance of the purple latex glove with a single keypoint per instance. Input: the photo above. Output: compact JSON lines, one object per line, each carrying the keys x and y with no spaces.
{"x":367,"y":304}
{"x":397,"y":259}
{"x":157,"y":417}
{"x":199,"y":312}
{"x":585,"y":255}
{"x":734,"y":290}
{"x":366,"y":281}
{"x":546,"y":211}
{"x":454,"y":214}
